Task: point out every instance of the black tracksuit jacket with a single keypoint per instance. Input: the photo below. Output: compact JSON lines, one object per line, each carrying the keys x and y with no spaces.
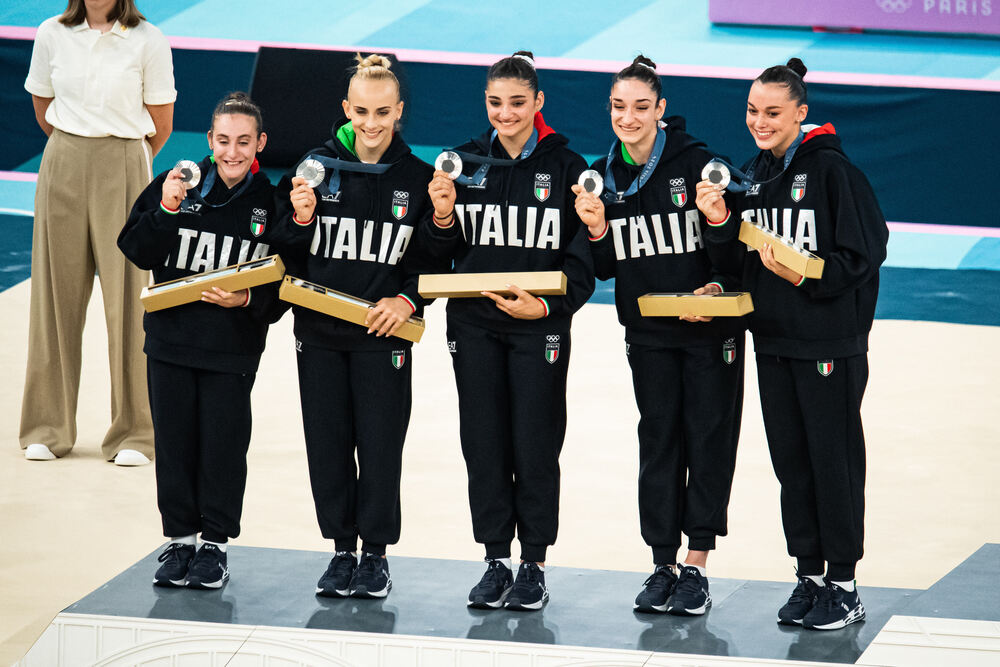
{"x":201,"y":334}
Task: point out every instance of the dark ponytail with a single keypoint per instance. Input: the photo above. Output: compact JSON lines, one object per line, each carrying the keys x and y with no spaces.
{"x":520,"y":66}
{"x":239,"y":102}
{"x":642,"y":69}
{"x":790,"y":75}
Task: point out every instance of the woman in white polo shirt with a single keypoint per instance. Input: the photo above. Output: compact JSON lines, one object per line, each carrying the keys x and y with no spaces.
{"x":101,"y":81}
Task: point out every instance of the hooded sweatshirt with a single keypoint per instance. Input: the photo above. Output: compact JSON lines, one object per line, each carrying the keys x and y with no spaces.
{"x":654,"y":243}
{"x":522,"y":218}
{"x":824,"y":204}
{"x":363,"y":240}
{"x":201,"y":334}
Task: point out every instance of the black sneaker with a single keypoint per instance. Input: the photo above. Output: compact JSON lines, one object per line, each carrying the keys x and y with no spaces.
{"x":336,"y":581}
{"x":176,"y":559}
{"x":371,"y":578}
{"x":835,"y":608}
{"x":690,"y":596}
{"x":493,"y":589}
{"x":656,"y":589}
{"x":209,"y":568}
{"x":799,"y":603}
{"x":528,"y":592}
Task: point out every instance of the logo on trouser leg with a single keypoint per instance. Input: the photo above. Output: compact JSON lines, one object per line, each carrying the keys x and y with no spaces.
{"x":298,"y":345}
{"x":729,"y":350}
{"x":398,"y":358}
{"x":451,"y":346}
{"x":825,"y":367}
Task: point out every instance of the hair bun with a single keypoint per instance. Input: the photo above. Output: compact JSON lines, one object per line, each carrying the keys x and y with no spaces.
{"x":644,"y":62}
{"x":797,"y":66}
{"x":526,"y":56}
{"x":374,"y":60}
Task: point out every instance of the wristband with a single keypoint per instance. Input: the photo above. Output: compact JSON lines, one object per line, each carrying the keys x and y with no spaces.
{"x":546,"y":305}
{"x":450,"y":218}
{"x":720,"y":222}
{"x":247,"y":302}
{"x":601,"y":235}
{"x":167,"y":210}
{"x":717,"y":283}
{"x":407,"y":300}
{"x":303,"y":224}
{"x":801,"y":280}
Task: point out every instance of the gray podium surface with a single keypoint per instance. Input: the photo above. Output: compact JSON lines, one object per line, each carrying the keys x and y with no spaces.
{"x":592,"y":608}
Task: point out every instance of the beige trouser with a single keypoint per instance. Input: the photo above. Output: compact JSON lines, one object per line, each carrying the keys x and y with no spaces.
{"x":86,"y":187}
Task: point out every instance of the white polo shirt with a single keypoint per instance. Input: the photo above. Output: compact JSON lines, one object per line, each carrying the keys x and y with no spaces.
{"x":101,"y":82}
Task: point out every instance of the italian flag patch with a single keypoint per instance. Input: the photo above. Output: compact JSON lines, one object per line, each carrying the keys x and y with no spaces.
{"x":825,"y":367}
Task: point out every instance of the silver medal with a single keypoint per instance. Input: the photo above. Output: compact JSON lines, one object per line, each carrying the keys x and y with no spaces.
{"x":450,"y":163}
{"x":190,"y":173}
{"x":716,"y":173}
{"x":591,"y":182}
{"x":311,"y":170}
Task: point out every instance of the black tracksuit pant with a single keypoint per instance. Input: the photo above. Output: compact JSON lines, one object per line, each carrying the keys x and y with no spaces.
{"x":201,"y":427}
{"x":512,"y":409}
{"x":355,"y":403}
{"x":813,"y":426}
{"x":690,"y":402}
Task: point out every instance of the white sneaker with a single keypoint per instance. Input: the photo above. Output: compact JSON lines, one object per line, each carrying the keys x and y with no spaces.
{"x":130,"y":457}
{"x":38,"y":452}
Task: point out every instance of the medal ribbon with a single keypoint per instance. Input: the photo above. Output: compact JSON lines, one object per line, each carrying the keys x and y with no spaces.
{"x":746,"y":178}
{"x":612,"y":193}
{"x":197,"y":195}
{"x":334,"y":166}
{"x":485,"y":161}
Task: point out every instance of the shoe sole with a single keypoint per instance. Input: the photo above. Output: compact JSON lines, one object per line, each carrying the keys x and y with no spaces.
{"x":650,"y":608}
{"x":792,"y":622}
{"x":855,"y":616}
{"x":208,"y":585}
{"x":698,"y":611}
{"x":365,"y":594}
{"x":480,"y":603}
{"x":170,"y":583}
{"x":334,"y":593}
{"x":515,"y":605}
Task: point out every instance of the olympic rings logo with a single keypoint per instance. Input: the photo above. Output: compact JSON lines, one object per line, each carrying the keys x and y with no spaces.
{"x":894,"y":6}
{"x":543,"y":177}
{"x":399,"y":194}
{"x":676,"y":182}
{"x":552,"y":339}
{"x":259,"y":211}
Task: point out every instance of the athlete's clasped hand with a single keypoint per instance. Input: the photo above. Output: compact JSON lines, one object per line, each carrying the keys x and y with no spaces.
{"x":387,"y":316}
{"x":522,"y":305}
{"x":173,"y":192}
{"x":780,"y":270}
{"x":590,"y":209}
{"x":303,"y":199}
{"x":221,"y":297}
{"x":710,"y":288}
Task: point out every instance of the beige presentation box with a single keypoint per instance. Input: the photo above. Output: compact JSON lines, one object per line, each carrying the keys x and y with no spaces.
{"x":459,"y":285}
{"x":230,"y":278}
{"x":800,"y":261}
{"x":675,"y":304}
{"x":342,"y":306}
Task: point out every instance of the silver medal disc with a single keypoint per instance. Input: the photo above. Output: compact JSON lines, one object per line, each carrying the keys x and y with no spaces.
{"x":450,"y":163}
{"x":311,"y":170}
{"x":591,"y":182}
{"x":190,"y":173}
{"x":716,"y":173}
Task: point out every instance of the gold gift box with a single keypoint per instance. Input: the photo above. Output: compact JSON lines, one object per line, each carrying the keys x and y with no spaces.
{"x":230,"y":278}
{"x":342,"y":306}
{"x":459,"y":285}
{"x":798,"y":260}
{"x":675,"y":304}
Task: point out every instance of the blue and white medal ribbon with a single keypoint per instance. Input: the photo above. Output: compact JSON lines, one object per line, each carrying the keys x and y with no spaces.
{"x":612,"y":193}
